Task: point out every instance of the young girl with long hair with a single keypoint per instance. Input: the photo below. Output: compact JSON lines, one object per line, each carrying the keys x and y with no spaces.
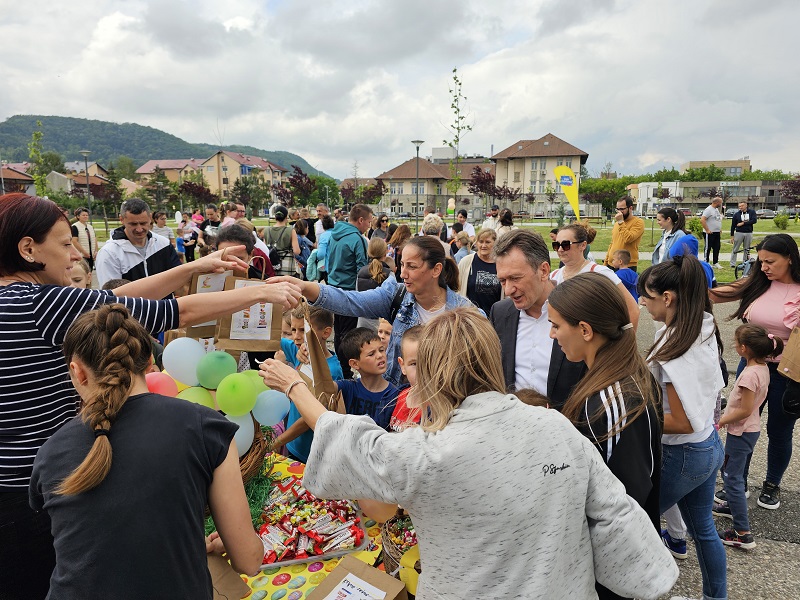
{"x":743,"y":420}
{"x":616,"y":404}
{"x":672,"y":223}
{"x":373,"y":274}
{"x":685,"y":361}
{"x":131,"y":475}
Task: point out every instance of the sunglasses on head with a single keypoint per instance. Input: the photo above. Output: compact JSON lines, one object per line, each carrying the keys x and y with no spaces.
{"x":565,"y":245}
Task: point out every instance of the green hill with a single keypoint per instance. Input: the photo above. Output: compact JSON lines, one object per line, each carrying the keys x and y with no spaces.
{"x":108,"y":141}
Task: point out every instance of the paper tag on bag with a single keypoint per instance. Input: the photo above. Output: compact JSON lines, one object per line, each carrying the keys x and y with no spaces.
{"x":355,"y":588}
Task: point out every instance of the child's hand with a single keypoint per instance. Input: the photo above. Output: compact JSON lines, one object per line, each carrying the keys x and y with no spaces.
{"x":279,"y":355}
{"x":302,"y":354}
{"x":214,"y":544}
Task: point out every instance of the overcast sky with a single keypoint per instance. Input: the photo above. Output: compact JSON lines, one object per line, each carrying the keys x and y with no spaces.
{"x":637,"y":83}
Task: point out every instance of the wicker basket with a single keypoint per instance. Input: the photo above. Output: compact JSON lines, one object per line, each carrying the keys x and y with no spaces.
{"x":253,"y":460}
{"x":391,"y":552}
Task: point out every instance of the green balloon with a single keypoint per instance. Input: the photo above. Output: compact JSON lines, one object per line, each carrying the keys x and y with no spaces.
{"x":236,"y":395}
{"x":198,"y":395}
{"x":257,"y":381}
{"x":214,"y":367}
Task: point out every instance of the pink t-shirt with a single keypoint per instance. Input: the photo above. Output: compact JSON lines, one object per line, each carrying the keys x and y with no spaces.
{"x":756,"y":379}
{"x":770,"y":310}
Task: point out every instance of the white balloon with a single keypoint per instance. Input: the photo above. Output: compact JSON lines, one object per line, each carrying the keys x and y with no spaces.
{"x":244,"y":436}
{"x":180,"y":360}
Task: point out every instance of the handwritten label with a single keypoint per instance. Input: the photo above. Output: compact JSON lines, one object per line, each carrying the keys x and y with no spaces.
{"x":355,"y":588}
{"x":552,"y":469}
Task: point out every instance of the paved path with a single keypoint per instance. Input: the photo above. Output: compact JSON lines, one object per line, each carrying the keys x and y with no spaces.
{"x":772,"y":570}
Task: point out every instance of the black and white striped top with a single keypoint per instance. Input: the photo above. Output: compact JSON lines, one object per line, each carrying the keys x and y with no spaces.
{"x":36,"y":396}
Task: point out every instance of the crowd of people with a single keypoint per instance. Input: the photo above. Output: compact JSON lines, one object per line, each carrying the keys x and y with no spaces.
{"x":454,"y":349}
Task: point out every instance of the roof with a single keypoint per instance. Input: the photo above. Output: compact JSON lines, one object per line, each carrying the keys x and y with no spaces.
{"x":80,"y":179}
{"x":77,"y":166}
{"x":12,"y":174}
{"x":22,"y":167}
{"x":408,"y":170}
{"x":549,"y":145}
{"x":169,"y":163}
{"x":361,"y":181}
{"x":253,"y":161}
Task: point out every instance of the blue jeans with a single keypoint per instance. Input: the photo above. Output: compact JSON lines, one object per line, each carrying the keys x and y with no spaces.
{"x":738,"y":450}
{"x":688,"y":478}
{"x":780,"y":426}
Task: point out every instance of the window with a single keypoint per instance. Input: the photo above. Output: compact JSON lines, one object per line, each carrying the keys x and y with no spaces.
{"x":421,"y":188}
{"x":210,"y":168}
{"x":558,"y":188}
{"x":438,"y":189}
{"x":541,"y":187}
{"x":516,"y":176}
{"x":533,"y":164}
{"x":393,"y":188}
{"x":224,"y":169}
{"x":559,"y":162}
{"x":569,"y":163}
{"x":543,"y":164}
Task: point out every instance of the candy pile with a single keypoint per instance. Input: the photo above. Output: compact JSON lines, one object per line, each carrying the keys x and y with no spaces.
{"x":299,"y":526}
{"x":401,"y":532}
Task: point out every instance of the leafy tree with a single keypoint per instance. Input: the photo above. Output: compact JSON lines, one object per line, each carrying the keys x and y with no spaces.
{"x":348,"y":193}
{"x":670,"y":174}
{"x":457,"y":129}
{"x":372,"y":194}
{"x":709,"y":173}
{"x":302,"y":185}
{"x":35,"y":156}
{"x":790,"y":189}
{"x":244,"y":189}
{"x":323,"y":183}
{"x":126,"y":167}
{"x":759,"y":175}
{"x":196,"y":194}
{"x":604,"y":191}
{"x":52,"y":161}
{"x":282,"y":194}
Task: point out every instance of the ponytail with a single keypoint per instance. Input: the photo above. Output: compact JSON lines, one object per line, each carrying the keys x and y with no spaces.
{"x":449,"y":274}
{"x":759,"y":341}
{"x":116,"y":348}
{"x":678,"y":218}
{"x":376,"y":251}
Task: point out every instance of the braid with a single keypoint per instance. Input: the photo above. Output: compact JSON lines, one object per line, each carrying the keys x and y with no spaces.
{"x":116,"y":348}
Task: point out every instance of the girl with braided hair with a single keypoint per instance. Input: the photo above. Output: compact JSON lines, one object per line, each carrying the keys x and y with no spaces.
{"x":129,"y":478}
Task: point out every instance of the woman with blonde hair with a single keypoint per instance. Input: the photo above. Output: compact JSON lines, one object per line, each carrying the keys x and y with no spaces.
{"x":464,"y":245}
{"x":594,"y":531}
{"x":617,"y":403}
{"x":477,"y":273}
{"x":132,"y":474}
{"x":373,"y":274}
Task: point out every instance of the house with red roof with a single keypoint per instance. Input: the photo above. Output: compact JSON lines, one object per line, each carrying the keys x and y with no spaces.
{"x":176,"y":170}
{"x":222,"y":170}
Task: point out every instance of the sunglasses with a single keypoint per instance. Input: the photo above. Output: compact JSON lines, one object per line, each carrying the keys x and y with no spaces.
{"x":565,"y":245}
{"x":384,"y":220}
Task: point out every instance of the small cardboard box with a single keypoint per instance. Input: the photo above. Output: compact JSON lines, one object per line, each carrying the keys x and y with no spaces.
{"x":349,"y":565}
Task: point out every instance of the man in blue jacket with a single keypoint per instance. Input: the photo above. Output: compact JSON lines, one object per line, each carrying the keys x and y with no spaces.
{"x":742,"y":229}
{"x":347,"y":253}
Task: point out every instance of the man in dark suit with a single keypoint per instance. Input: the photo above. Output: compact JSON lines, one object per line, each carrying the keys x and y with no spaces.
{"x":530,"y":358}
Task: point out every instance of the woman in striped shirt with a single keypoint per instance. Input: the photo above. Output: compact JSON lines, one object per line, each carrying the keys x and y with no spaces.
{"x":36,"y":398}
{"x":617,"y":403}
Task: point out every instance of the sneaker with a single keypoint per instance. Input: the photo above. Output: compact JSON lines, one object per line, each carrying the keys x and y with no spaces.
{"x":731,"y":537}
{"x":721,"y":509}
{"x":676,"y":547}
{"x":716,"y":266}
{"x":720,"y":495}
{"x":770,"y":497}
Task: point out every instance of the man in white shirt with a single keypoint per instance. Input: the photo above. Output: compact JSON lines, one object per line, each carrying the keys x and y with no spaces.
{"x":322,"y":210}
{"x":712,"y":225}
{"x":491,"y":221}
{"x":467,"y":227}
{"x":531,"y":360}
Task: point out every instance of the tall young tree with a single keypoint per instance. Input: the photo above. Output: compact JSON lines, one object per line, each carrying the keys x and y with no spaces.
{"x":35,"y":156}
{"x":459,"y":128}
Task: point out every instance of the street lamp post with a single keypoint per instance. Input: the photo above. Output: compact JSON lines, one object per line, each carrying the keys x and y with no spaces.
{"x":417,"y":143}
{"x":160,"y":185}
{"x":2,"y":179}
{"x":86,"y":154}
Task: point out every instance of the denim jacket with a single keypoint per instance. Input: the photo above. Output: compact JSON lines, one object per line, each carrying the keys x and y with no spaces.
{"x":376,"y":303}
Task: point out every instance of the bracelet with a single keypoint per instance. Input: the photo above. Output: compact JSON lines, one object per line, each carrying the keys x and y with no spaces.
{"x":291,"y":385}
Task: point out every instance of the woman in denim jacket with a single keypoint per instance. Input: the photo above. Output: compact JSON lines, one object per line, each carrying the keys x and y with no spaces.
{"x":431,"y":281}
{"x":672,"y":224}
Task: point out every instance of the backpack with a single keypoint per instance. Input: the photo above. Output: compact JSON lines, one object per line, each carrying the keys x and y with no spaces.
{"x":276,"y":254}
{"x":397,"y":302}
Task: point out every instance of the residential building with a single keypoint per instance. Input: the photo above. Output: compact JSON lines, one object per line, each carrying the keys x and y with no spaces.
{"x":732,"y":168}
{"x":58,"y":182}
{"x":222,"y":170}
{"x":528,"y":166}
{"x":401,"y":186}
{"x":77,"y":166}
{"x":16,"y":180}
{"x":693,"y":195}
{"x":175,"y":170}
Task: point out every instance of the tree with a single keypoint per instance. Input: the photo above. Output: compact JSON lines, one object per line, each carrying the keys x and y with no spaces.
{"x":302,"y":185}
{"x":482,"y":184}
{"x":126,"y":167}
{"x":35,"y":156}
{"x":670,"y":174}
{"x":52,"y":161}
{"x":709,"y":173}
{"x":759,"y":175}
{"x":282,"y":194}
{"x":326,"y":190}
{"x":457,"y":129}
{"x":196,"y":194}
{"x":372,"y":194}
{"x":790,"y":189}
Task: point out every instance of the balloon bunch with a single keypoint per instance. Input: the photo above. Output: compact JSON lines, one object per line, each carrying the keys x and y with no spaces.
{"x":211,"y":380}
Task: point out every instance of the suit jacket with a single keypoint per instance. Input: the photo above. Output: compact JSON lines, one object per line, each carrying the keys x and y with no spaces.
{"x":562,"y":375}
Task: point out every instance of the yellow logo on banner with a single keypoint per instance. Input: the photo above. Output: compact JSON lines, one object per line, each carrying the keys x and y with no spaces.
{"x":565,"y":177}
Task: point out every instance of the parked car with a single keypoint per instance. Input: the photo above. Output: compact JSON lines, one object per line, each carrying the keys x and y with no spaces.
{"x":730,"y":212}
{"x":687,"y":212}
{"x":765,"y":213}
{"x":404,"y":215}
{"x":792,"y":211}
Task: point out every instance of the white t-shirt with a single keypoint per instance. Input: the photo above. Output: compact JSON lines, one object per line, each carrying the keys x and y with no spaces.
{"x":713,"y":219}
{"x":558,"y":274}
{"x":318,"y":229}
{"x":533,"y":352}
{"x":427,"y":315}
{"x":165,"y":231}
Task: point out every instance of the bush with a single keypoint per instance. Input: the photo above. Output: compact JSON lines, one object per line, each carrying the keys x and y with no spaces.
{"x":695,"y":226}
{"x":781,"y":220}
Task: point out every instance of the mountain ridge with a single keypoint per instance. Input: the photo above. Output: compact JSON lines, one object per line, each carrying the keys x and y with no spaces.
{"x":108,"y":141}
